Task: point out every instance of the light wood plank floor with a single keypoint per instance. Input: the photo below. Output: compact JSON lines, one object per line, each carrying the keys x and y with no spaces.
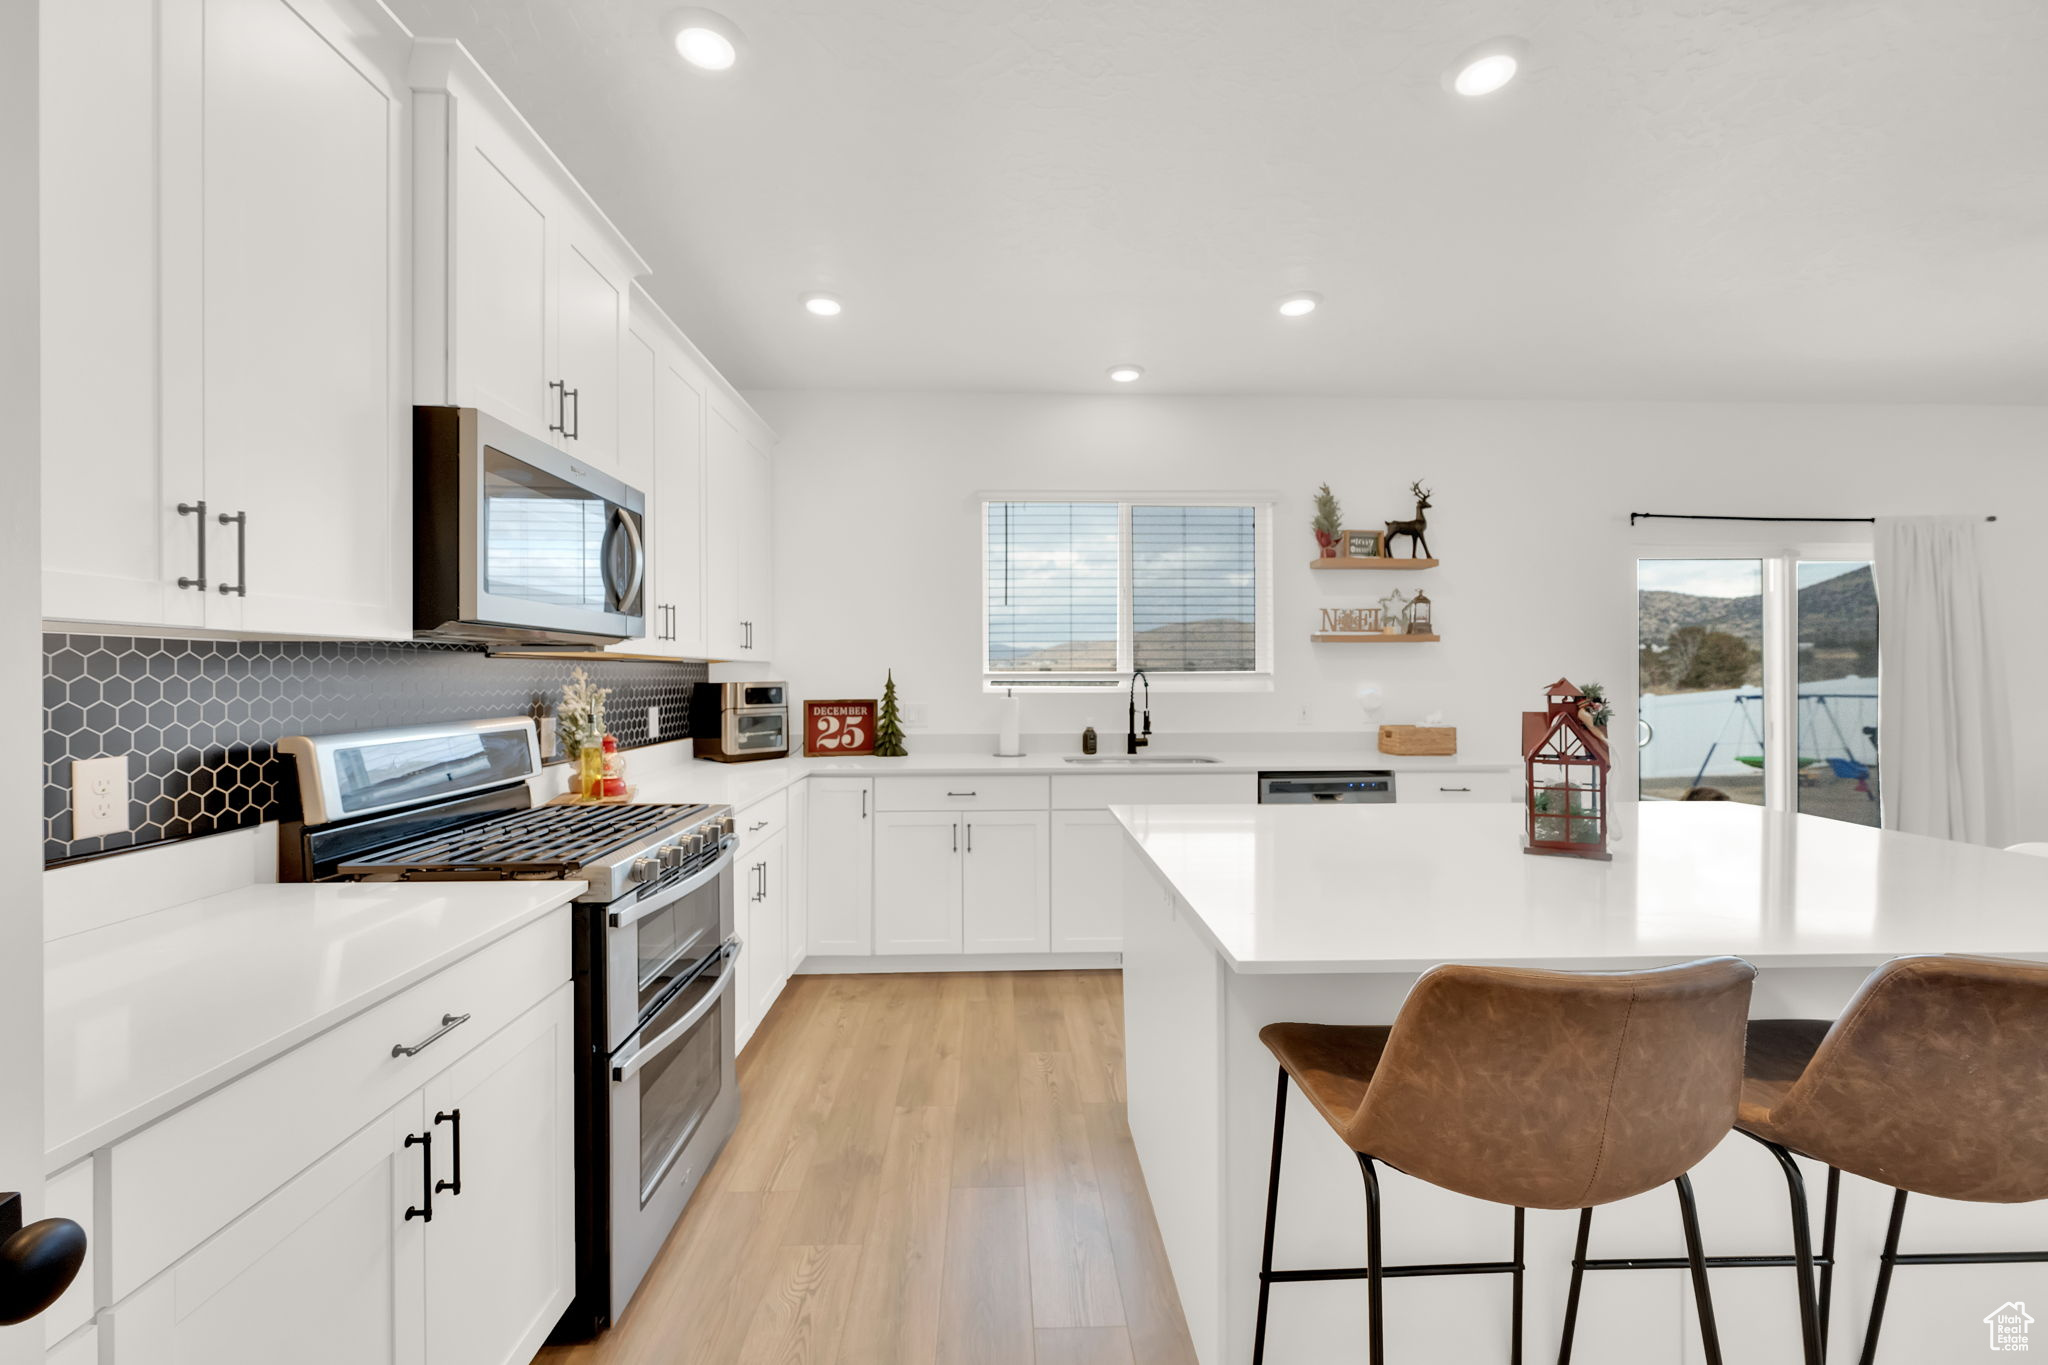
{"x":929,"y":1170}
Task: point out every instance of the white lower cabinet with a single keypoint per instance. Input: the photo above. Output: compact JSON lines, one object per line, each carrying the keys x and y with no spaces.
{"x":961,"y":882}
{"x":917,"y":882}
{"x":442,"y":1231}
{"x":840,"y":871}
{"x":1004,"y":864}
{"x":82,"y":1349}
{"x":501,"y":1250}
{"x":327,"y":1271}
{"x":762,"y":916}
{"x":1087,"y":882}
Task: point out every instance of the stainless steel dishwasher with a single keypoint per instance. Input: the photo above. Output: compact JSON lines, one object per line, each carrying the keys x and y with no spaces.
{"x":1325,"y":788}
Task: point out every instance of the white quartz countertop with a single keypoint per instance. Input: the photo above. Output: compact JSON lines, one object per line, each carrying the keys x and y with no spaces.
{"x":657,"y":776}
{"x":148,"y":1014}
{"x":1402,"y":888}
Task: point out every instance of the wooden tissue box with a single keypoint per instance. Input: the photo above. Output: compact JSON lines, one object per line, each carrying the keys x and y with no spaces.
{"x":1419,"y":741}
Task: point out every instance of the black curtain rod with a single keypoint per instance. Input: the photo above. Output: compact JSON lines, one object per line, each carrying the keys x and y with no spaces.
{"x":1635,"y":517}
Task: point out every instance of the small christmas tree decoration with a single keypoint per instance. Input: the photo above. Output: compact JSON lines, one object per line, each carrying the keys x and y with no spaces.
{"x":889,"y":728}
{"x":1329,"y":521}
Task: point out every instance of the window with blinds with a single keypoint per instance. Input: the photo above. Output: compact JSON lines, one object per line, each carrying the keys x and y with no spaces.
{"x":1054,"y":596}
{"x":1076,"y":591}
{"x":1194,"y":589}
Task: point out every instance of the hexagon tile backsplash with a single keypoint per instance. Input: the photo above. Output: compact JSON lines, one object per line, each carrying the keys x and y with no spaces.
{"x":200,"y":716}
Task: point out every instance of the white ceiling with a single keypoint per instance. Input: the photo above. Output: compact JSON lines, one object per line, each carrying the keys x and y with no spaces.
{"x":1724,"y":199}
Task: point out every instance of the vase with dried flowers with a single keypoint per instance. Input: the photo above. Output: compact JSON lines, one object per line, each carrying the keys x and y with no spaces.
{"x":580,"y":722}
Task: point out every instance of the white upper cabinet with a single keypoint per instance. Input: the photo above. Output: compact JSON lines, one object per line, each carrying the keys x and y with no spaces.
{"x":661,"y":424}
{"x":522,"y":280}
{"x":269,"y":378}
{"x":740,"y":503}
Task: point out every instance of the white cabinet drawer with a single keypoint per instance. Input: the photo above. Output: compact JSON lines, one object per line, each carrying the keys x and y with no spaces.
{"x":761,"y":821}
{"x":69,"y":1194}
{"x":175,"y":1183}
{"x":976,"y":791}
{"x":1092,"y":792}
{"x":1443,"y":788}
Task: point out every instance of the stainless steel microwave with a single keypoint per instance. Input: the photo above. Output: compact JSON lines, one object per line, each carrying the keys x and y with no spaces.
{"x":516,"y":543}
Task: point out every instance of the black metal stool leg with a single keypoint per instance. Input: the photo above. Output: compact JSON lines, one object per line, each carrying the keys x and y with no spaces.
{"x":1272,"y":1209}
{"x":1827,"y":1254}
{"x":1571,"y":1298}
{"x":1703,"y":1296}
{"x":1802,"y":1253}
{"x":1375,"y":1330}
{"x":1884,"y":1277}
{"x":1515,"y":1315}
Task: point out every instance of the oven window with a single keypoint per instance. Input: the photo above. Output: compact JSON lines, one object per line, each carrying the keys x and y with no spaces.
{"x":672,"y":942}
{"x":678,"y":1088}
{"x":544,"y":537}
{"x":760,"y":732}
{"x":761,"y":694}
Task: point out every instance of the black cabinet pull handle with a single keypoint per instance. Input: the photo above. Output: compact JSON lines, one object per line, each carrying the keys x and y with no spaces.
{"x":196,"y":509}
{"x":575,"y":432}
{"x":1454,"y":789}
{"x":451,"y":1116}
{"x":963,"y":793}
{"x":425,"y":1142}
{"x":448,"y":1022}
{"x":970,"y":836}
{"x":561,"y":406}
{"x":863,"y":803}
{"x":37,"y":1262}
{"x":240,"y":521}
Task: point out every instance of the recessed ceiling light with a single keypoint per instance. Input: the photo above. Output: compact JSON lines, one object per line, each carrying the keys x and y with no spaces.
{"x":1299,"y":305}
{"x":823,"y":305}
{"x":1487,"y":67}
{"x":1126,"y":374}
{"x":705,"y":39}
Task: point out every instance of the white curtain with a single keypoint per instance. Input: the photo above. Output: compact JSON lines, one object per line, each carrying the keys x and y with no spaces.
{"x":1942,"y":720}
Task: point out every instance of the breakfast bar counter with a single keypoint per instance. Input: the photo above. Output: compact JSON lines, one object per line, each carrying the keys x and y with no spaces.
{"x":1240,"y":916}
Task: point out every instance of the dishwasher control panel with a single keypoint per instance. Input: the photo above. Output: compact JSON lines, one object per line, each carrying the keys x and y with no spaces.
{"x":1325,"y":788}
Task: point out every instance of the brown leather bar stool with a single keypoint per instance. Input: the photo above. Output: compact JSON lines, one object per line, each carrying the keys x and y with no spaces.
{"x":1535,"y":1089}
{"x":1934,"y":1081}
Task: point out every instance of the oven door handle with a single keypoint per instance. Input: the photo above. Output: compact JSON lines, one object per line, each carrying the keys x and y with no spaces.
{"x":668,"y":1037}
{"x":619,"y":919}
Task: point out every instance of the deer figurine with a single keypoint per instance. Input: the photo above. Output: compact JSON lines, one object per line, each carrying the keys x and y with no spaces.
{"x":1414,"y":529}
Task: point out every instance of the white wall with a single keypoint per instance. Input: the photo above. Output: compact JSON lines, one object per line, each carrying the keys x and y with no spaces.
{"x":878,"y":542}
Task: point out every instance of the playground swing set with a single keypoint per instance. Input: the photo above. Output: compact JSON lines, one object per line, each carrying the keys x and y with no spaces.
{"x":1846,"y":766}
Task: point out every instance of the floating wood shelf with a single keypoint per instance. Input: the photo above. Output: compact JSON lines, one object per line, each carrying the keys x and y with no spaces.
{"x":1342,"y":563}
{"x":1376,"y":638}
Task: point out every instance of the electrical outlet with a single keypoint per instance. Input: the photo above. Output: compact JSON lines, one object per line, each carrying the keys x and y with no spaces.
{"x":654,"y":722}
{"x":99,"y":797}
{"x":913,"y":715}
{"x":1305,"y":717}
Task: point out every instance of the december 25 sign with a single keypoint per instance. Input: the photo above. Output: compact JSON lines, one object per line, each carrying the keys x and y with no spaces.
{"x":836,"y":728}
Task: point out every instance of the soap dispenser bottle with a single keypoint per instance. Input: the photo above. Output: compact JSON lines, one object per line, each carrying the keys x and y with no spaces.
{"x":1088,"y":739}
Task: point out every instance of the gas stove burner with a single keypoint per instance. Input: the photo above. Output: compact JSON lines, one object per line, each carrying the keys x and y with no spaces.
{"x":556,"y":841}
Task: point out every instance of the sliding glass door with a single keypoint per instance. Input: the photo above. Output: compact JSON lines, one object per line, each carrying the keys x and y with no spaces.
{"x":1757,"y":679}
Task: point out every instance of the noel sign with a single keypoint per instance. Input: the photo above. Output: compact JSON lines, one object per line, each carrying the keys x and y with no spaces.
{"x":833,"y":729}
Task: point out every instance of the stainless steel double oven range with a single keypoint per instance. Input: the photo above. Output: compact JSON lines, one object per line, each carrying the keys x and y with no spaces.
{"x":655,"y":954}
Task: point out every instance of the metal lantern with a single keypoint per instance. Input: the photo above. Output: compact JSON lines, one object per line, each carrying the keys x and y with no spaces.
{"x":1566,"y":762}
{"x":1419,"y":621}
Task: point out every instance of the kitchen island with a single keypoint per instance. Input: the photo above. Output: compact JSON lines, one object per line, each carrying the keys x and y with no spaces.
{"x":1238,"y":916}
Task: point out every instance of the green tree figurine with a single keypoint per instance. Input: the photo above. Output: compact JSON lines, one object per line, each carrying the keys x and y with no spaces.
{"x":889,"y":729}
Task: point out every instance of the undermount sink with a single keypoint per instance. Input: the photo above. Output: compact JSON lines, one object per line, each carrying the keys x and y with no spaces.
{"x":1139,"y":758}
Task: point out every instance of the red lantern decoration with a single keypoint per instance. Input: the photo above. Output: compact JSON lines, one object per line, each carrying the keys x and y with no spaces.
{"x":1565,"y":758}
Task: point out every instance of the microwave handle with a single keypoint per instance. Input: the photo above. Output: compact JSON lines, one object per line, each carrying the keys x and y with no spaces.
{"x":641,"y":1056}
{"x":623,"y":520}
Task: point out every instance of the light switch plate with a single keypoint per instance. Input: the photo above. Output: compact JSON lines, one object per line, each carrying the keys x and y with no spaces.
{"x":99,"y":797}
{"x":654,"y":722}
